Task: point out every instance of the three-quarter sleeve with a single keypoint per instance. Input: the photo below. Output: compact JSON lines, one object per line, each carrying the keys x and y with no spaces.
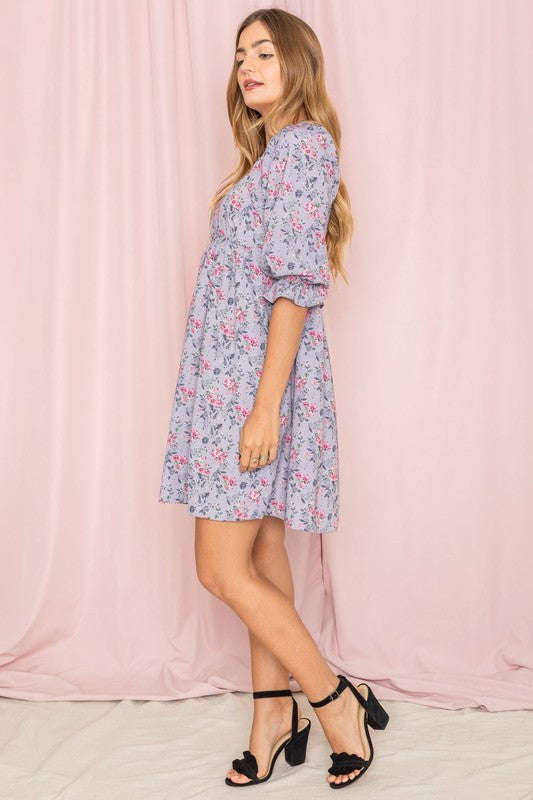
{"x":301,"y":180}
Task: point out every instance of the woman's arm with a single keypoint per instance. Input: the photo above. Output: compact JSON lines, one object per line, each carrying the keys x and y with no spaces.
{"x":299,"y":177}
{"x":284,"y":333}
{"x":260,"y":433}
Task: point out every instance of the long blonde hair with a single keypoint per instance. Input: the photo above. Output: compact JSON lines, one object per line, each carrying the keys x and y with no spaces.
{"x":304,"y":98}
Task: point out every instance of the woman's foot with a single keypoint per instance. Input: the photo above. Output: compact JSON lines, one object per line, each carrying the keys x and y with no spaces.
{"x":272,"y":719}
{"x":339,"y":722}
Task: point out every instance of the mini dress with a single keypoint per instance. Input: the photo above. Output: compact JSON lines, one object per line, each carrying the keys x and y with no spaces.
{"x":267,"y":239}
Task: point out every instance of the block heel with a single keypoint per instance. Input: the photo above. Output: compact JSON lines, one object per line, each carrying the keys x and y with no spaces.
{"x":294,"y":742}
{"x":369,"y":712}
{"x":296,"y":748}
{"x":377,"y":716}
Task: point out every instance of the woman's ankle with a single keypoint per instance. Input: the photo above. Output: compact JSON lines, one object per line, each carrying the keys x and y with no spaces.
{"x":330,"y":687}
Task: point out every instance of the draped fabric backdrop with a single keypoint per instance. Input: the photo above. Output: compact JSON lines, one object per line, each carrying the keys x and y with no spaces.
{"x":114,"y":139}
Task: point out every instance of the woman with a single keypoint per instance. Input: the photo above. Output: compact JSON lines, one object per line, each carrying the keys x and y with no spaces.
{"x":253,"y":436}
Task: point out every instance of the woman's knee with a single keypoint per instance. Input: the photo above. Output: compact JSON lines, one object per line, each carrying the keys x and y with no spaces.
{"x":209,"y":573}
{"x":225,"y":586}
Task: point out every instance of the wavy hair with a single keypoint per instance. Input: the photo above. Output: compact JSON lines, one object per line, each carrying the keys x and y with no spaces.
{"x":304,"y":97}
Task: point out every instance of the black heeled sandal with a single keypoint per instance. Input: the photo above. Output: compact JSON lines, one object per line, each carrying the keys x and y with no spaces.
{"x":294,"y":743}
{"x":369,"y":711}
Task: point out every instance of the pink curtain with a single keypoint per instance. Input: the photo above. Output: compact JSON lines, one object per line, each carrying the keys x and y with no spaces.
{"x":114,"y":138}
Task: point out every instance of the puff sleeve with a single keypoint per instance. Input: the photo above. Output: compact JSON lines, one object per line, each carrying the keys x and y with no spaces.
{"x":301,"y":182}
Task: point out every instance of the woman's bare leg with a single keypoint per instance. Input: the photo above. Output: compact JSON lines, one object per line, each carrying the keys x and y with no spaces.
{"x":225,"y":566}
{"x":272,"y":715}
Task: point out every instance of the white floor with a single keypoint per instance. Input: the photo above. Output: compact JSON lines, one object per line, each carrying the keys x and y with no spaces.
{"x":140,"y":750}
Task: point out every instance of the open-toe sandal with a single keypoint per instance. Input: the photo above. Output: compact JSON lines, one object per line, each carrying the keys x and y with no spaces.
{"x":294,"y":742}
{"x":369,"y":712}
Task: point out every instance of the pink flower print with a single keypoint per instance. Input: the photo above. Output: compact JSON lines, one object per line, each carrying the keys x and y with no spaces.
{"x":201,"y":467}
{"x":300,"y":383}
{"x":227,"y":327}
{"x":258,"y":372}
{"x":240,"y":510}
{"x":219,"y":455}
{"x":276,"y":263}
{"x":334,"y":406}
{"x":294,"y":454}
{"x":178,"y":460}
{"x":274,"y":189}
{"x":264,"y":481}
{"x":287,"y":438}
{"x":187,"y":392}
{"x":333,"y":475}
{"x":317,"y":514}
{"x":296,"y":223}
{"x":204,"y":365}
{"x":236,"y":200}
{"x":237,"y":258}
{"x":302,"y":479}
{"x":322,"y":443}
{"x":214,"y":399}
{"x":172,"y":438}
{"x":325,"y":376}
{"x":229,"y":481}
{"x":278,"y":505}
{"x":312,"y":210}
{"x":256,"y":219}
{"x":195,"y":433}
{"x":254,"y":496}
{"x":320,"y":238}
{"x":220,"y":269}
{"x":286,"y":187}
{"x":194,"y":324}
{"x":310,"y":408}
{"x":231,"y":384}
{"x":308,"y":150}
{"x":251,"y":342}
{"x":242,"y":413}
{"x":316,"y":337}
{"x":283,"y":419}
{"x":220,"y":294}
{"x":255,"y":269}
{"x":240,"y":314}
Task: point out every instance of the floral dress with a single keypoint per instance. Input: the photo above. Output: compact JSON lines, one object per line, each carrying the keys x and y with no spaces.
{"x":267,"y":240}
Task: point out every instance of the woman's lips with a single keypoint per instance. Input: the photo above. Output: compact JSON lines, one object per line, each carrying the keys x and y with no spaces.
{"x":252,"y":86}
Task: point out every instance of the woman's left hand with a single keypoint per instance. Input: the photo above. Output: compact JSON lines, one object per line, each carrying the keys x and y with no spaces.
{"x":259,"y":438}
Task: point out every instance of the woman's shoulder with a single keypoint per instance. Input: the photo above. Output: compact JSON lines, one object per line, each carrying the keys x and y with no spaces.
{"x":300,"y":133}
{"x":304,"y":142}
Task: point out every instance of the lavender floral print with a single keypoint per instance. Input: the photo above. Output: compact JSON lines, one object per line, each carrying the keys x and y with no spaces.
{"x":267,"y":240}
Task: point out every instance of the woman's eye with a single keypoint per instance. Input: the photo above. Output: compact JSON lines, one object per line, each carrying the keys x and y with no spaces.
{"x":268,"y":55}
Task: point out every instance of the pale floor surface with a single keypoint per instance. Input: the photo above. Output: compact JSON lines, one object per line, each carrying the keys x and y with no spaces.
{"x":175,"y":750}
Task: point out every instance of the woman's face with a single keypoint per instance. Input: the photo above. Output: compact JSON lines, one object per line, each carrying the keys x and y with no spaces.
{"x":257,"y":61}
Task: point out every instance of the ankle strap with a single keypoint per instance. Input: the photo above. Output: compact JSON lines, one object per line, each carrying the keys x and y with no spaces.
{"x":341,"y":686}
{"x":283,"y":693}
{"x":273,"y":693}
